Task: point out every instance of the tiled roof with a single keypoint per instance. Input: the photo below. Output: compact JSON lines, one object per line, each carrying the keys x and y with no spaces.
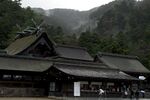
{"x":72,"y":52}
{"x":13,"y":63}
{"x":69,"y":52}
{"x":21,"y":44}
{"x":77,"y":68}
{"x":101,"y":73}
{"x":123,"y":62}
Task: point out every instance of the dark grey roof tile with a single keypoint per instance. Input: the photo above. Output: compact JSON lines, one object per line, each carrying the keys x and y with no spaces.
{"x":73,"y":52}
{"x":123,"y":62}
{"x":93,"y":72}
{"x":20,"y":64}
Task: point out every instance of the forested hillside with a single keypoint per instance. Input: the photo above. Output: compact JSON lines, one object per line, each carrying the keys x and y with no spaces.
{"x":123,"y":26}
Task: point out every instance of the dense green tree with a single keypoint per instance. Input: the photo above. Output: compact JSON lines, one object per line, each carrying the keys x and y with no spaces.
{"x":94,"y":43}
{"x":91,"y":41}
{"x":13,"y":18}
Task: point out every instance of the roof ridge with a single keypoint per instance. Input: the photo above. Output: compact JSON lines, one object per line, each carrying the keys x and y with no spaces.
{"x":71,"y":46}
{"x":118,"y":55}
{"x":77,"y":62}
{"x":84,"y":65}
{"x":30,"y":35}
{"x":73,"y":58}
{"x":24,"y":57}
{"x":40,"y":58}
{"x":29,"y":31}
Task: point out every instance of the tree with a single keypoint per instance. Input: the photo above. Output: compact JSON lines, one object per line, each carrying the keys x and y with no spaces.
{"x":13,"y":17}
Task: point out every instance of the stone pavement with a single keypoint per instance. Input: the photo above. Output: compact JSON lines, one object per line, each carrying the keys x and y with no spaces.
{"x":24,"y":98}
{"x":103,"y":98}
{"x":84,"y":98}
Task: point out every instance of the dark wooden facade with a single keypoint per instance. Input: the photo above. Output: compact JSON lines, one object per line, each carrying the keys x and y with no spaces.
{"x":14,"y":83}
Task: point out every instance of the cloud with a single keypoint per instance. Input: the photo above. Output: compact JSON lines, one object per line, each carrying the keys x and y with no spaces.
{"x":71,"y":4}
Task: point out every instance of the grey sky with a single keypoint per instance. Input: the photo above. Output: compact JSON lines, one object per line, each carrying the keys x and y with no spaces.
{"x":70,"y":4}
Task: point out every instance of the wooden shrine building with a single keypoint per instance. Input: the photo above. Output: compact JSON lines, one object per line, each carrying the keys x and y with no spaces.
{"x":126,"y":63}
{"x":33,"y":65}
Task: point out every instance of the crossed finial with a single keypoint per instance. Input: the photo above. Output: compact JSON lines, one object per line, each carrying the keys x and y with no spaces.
{"x":37,"y":29}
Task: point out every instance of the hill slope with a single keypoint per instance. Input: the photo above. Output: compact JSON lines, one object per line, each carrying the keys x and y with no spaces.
{"x":72,"y":21}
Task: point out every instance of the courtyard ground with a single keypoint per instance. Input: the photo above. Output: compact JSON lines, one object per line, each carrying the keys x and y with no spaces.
{"x":24,"y":98}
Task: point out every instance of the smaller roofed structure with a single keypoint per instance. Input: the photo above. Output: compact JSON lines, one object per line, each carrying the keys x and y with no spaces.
{"x":73,"y":52}
{"x":86,"y":71}
{"x":124,"y":63}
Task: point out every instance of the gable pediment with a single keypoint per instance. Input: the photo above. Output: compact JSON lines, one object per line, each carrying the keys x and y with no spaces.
{"x":33,"y":45}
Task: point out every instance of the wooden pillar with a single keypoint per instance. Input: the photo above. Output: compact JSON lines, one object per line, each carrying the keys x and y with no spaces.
{"x":104,"y":85}
{"x":64,"y":88}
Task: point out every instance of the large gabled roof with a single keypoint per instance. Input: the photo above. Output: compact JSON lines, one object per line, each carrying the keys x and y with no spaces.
{"x":63,"y":51}
{"x":73,"y":52}
{"x":122,"y":62}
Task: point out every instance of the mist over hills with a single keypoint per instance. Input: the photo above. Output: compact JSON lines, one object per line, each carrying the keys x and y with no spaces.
{"x":121,"y":26}
{"x":72,"y":21}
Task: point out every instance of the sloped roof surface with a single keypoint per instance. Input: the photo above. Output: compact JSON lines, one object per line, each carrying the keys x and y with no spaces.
{"x":93,"y":72}
{"x":73,"y":52}
{"x":63,"y":51}
{"x":17,"y":63}
{"x":20,"y":44}
{"x":123,"y":62}
{"x":21,"y":64}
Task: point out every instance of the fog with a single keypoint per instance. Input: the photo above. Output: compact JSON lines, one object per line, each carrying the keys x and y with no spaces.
{"x":69,"y":4}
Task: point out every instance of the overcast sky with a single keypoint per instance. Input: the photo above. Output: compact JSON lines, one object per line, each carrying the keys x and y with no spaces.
{"x":71,"y":4}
